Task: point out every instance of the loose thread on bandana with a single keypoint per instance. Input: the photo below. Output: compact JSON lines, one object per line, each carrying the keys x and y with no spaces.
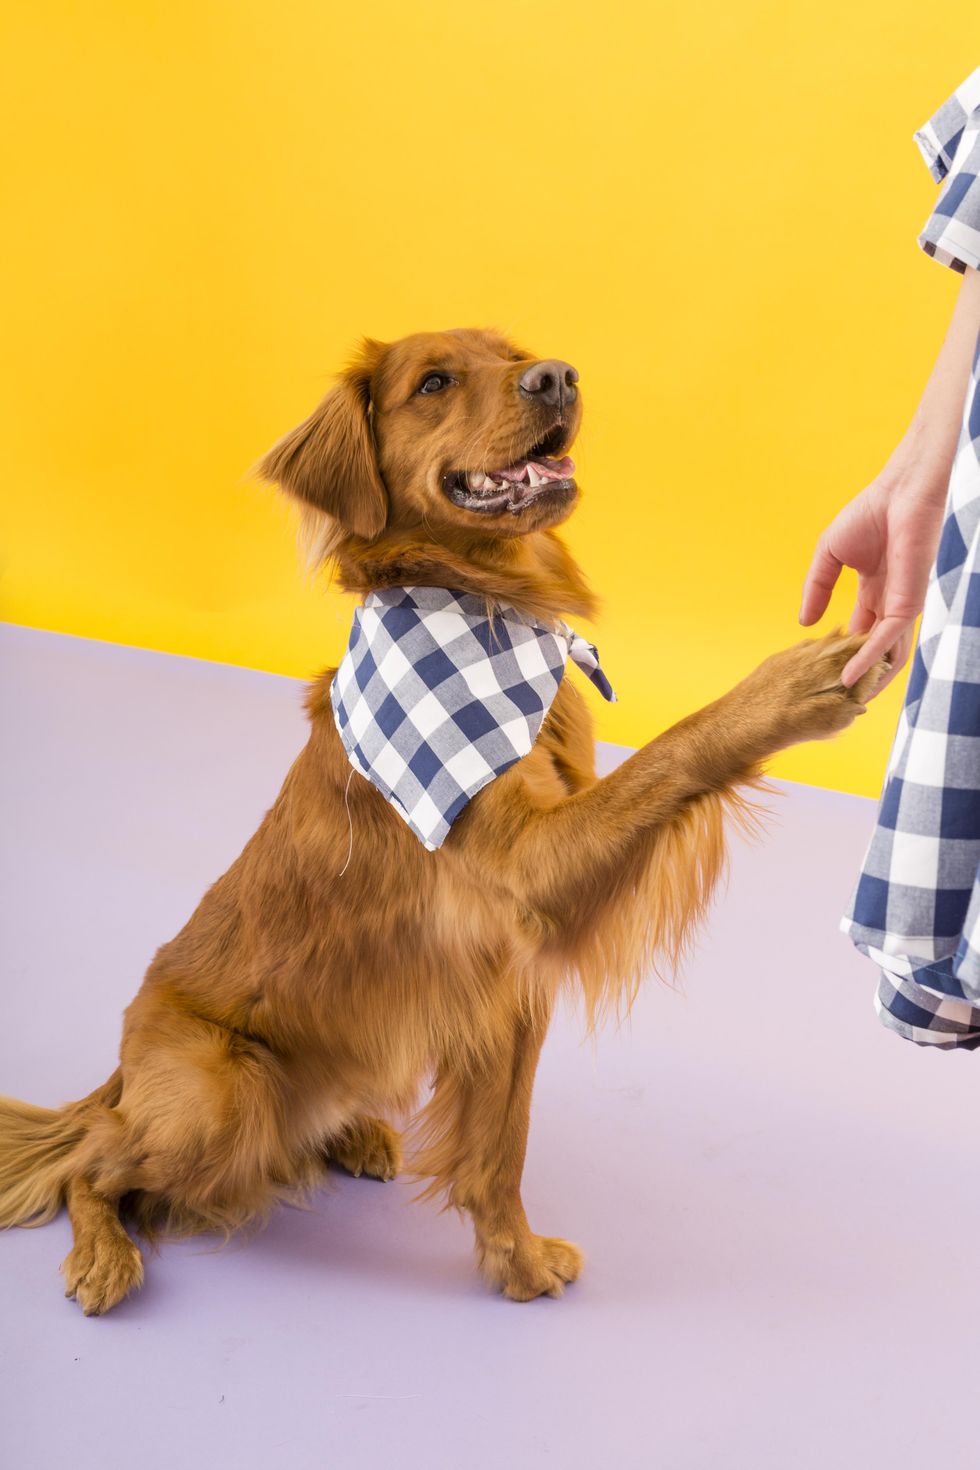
{"x":350,"y":825}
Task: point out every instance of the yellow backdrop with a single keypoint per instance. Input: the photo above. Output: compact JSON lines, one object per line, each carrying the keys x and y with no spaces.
{"x":710,"y":209}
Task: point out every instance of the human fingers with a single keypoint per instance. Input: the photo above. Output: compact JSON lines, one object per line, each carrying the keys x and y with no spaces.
{"x":889,"y":633}
{"x":820,"y":582}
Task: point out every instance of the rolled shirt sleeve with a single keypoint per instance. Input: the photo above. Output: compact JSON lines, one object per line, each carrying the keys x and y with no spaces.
{"x":950,"y":144}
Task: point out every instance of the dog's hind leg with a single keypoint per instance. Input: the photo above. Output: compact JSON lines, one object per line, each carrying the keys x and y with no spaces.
{"x":104,"y":1265}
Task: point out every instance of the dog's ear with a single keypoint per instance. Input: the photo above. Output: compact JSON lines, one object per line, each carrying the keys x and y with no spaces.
{"x":329,"y":462}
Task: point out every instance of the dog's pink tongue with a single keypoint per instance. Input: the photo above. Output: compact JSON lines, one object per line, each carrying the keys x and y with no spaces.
{"x":548,"y":469}
{"x":560,"y":468}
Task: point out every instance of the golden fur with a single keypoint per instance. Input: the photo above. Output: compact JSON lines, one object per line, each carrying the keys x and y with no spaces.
{"x":337,"y":967}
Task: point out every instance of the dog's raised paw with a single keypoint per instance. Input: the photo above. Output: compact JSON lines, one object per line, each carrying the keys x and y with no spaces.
{"x":800,"y":688}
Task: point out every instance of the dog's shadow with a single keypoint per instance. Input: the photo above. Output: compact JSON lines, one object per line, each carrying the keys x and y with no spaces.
{"x":349,"y":1228}
{"x":380,"y":1236}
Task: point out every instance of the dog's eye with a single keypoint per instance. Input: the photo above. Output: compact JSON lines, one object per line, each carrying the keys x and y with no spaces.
{"x":434,"y":383}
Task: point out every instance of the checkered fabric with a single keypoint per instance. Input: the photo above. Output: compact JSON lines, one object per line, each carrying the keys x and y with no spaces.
{"x":950,"y":144}
{"x":916,"y":908}
{"x":436,"y":696}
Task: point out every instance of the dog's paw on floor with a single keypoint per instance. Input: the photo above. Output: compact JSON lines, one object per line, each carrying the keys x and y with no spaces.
{"x":102,"y":1269}
{"x":538,"y":1265}
{"x":369,"y":1146}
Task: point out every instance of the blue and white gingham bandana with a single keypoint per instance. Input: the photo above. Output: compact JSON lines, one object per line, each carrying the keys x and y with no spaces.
{"x":435,"y":697}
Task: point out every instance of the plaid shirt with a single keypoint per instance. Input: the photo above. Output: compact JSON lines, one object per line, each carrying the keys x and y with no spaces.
{"x":916,"y":908}
{"x":436,"y":696}
{"x":950,"y":145}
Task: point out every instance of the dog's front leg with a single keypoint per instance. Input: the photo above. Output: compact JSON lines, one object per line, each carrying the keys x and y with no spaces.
{"x":478,"y":1124}
{"x":570,"y":860}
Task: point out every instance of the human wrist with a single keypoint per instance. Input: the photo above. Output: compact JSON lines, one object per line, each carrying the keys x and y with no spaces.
{"x":920,"y":465}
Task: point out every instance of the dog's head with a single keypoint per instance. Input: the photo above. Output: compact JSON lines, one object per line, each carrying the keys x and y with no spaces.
{"x":436,"y":434}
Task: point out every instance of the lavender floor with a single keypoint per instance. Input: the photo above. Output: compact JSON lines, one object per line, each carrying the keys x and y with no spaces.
{"x":778,"y":1200}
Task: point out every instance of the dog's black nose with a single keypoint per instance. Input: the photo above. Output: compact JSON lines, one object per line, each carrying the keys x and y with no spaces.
{"x":550,"y":382}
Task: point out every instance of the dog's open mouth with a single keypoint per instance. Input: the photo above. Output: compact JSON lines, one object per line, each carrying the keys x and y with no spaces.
{"x":516,"y":486}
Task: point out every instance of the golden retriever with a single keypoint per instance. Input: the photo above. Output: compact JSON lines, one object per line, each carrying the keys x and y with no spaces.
{"x":338,"y":966}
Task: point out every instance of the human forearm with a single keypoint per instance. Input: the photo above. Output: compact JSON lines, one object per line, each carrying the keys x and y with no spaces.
{"x":921,"y":461}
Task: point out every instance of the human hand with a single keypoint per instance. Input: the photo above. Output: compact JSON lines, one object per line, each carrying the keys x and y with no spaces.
{"x":888,"y":534}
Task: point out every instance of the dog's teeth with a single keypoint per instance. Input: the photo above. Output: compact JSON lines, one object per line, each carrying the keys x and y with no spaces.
{"x":488,"y":484}
{"x":533,"y":478}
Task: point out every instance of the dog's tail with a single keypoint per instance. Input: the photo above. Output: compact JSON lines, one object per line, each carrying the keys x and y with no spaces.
{"x":36,"y":1147}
